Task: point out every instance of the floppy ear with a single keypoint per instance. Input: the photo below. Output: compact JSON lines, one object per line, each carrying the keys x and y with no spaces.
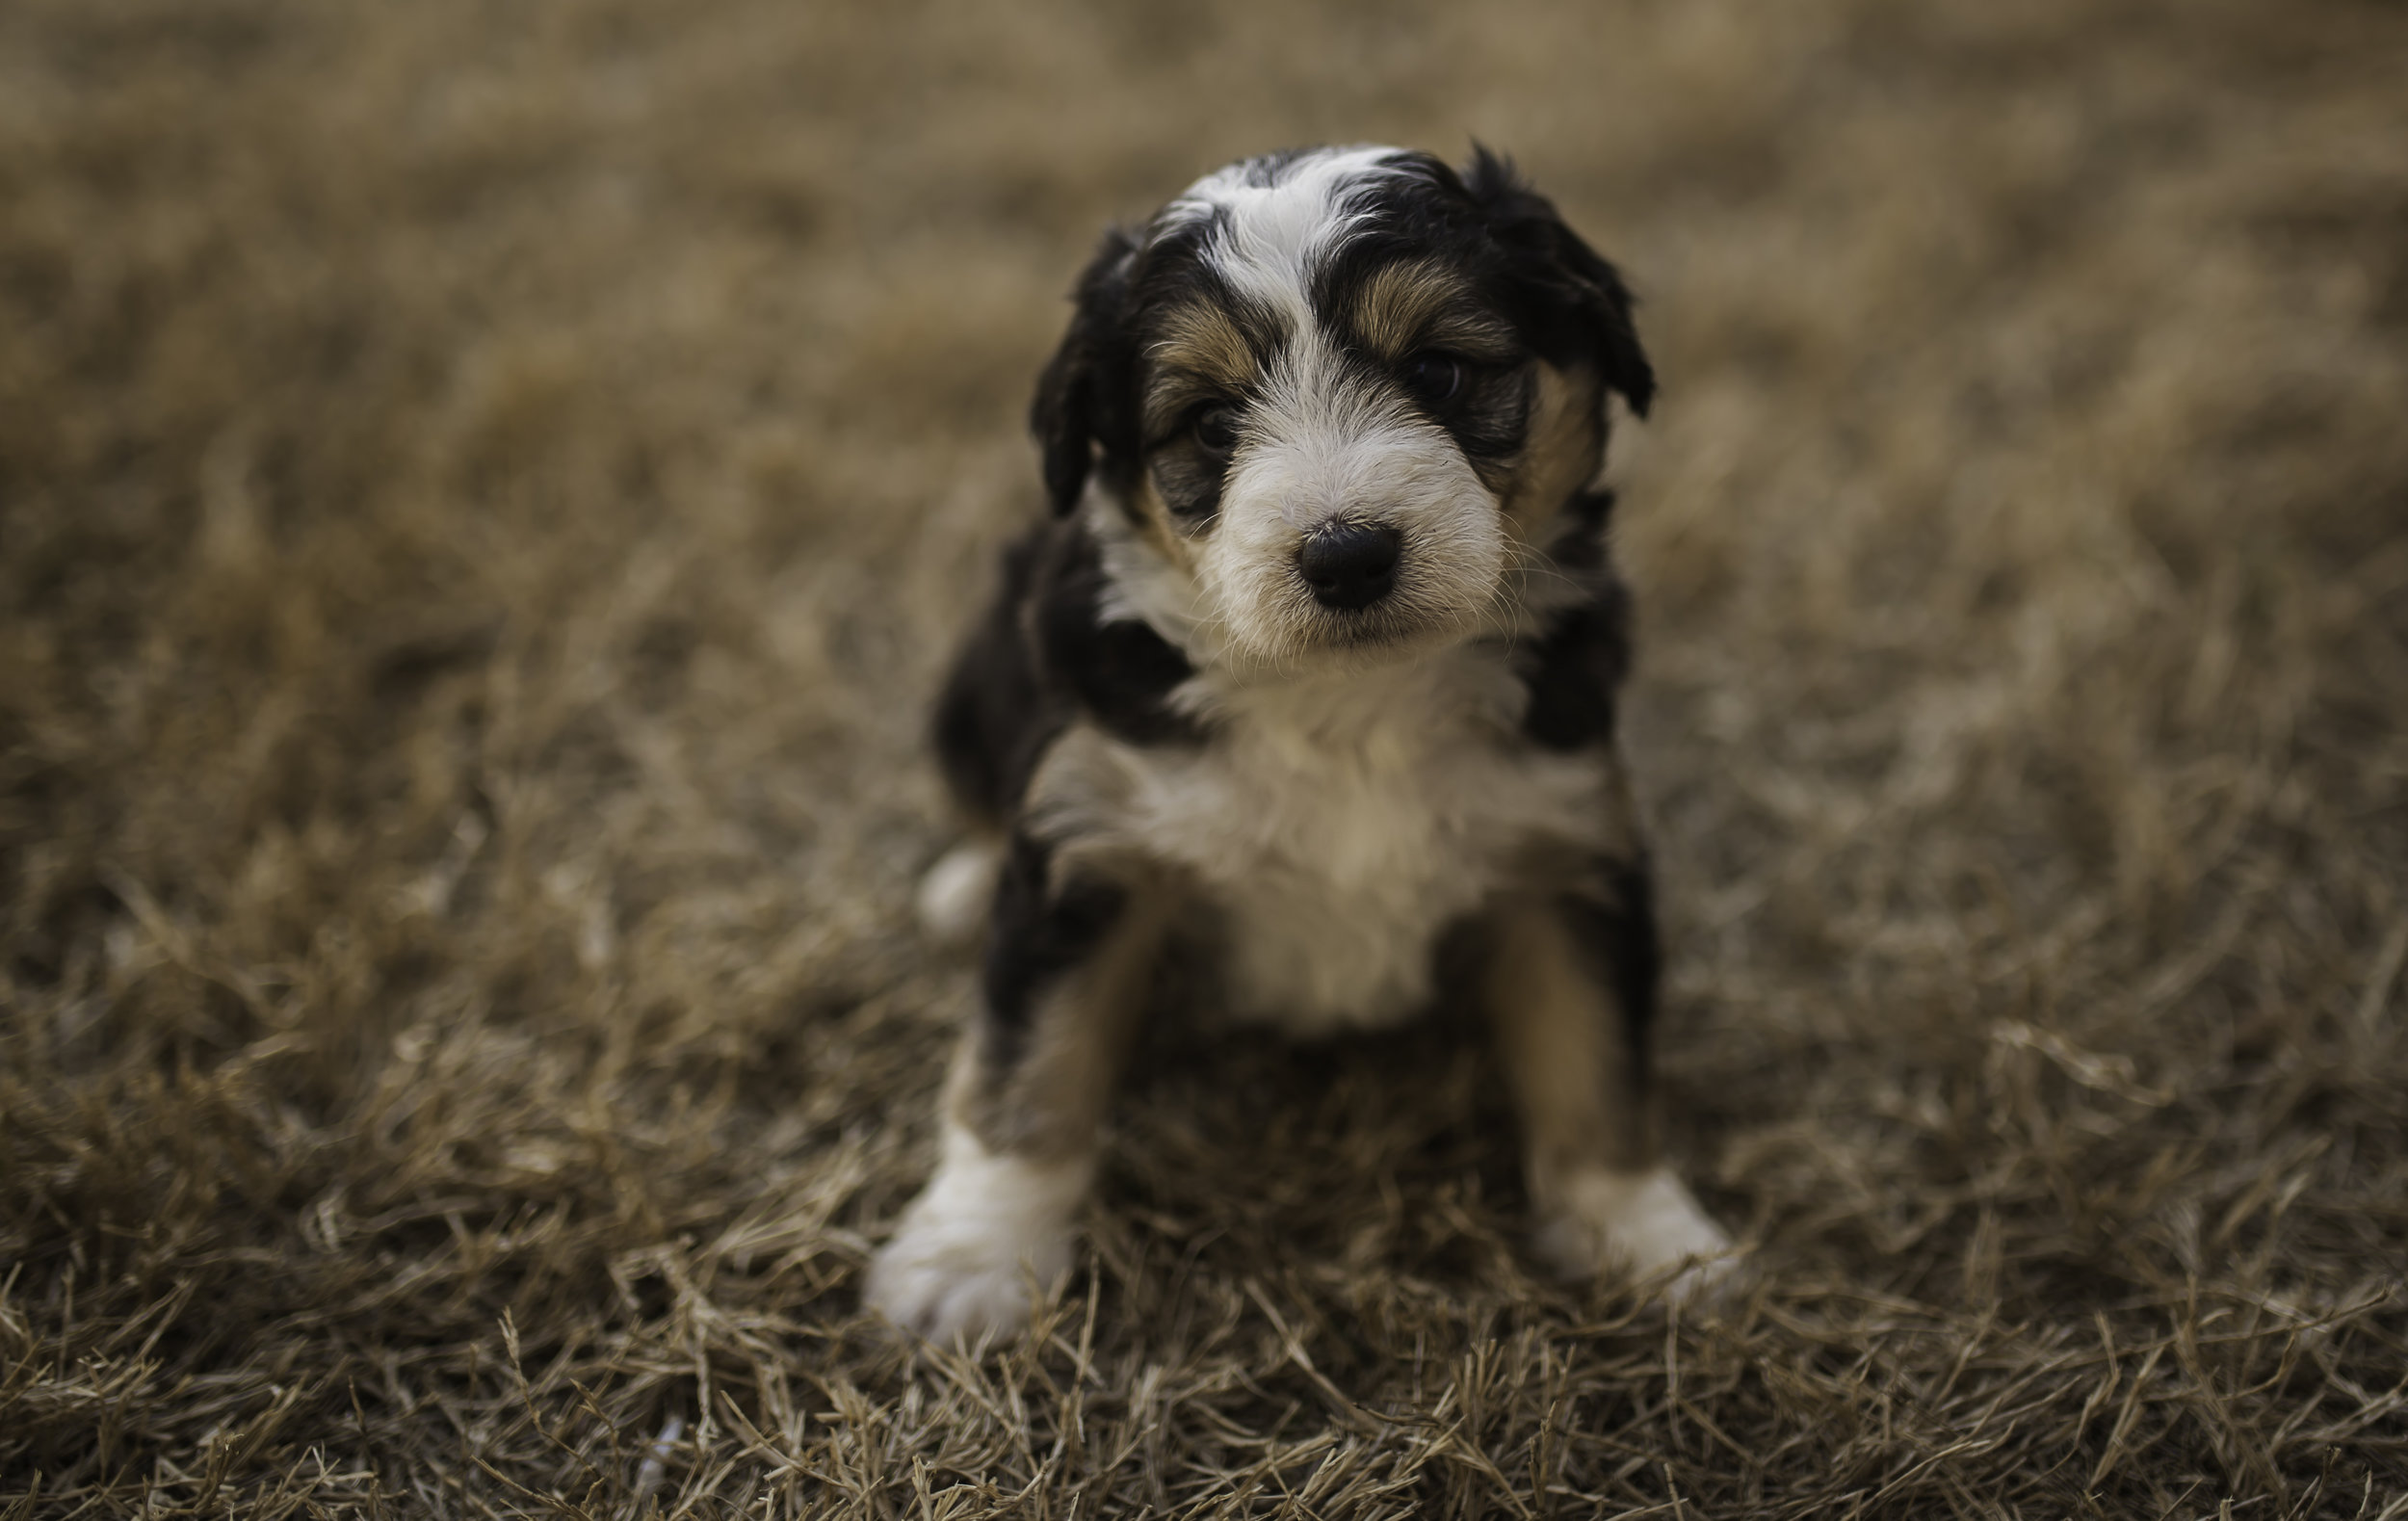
{"x":1574,"y":299}
{"x":1079,"y":395}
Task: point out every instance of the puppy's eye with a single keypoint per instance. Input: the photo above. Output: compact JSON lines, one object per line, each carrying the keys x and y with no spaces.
{"x":1436,"y":377}
{"x":1217,"y":428}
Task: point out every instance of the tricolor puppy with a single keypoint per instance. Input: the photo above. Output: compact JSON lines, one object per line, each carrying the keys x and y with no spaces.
{"x":1311,"y":673}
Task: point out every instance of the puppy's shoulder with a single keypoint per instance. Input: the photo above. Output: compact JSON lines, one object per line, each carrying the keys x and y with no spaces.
{"x":1111,"y":666}
{"x":1048,"y":653}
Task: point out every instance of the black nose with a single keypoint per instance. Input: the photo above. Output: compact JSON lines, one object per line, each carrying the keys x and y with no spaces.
{"x":1349,"y":565}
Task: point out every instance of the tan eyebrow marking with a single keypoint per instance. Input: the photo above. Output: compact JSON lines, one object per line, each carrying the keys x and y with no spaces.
{"x":1418,"y":303}
{"x":1201,"y":351}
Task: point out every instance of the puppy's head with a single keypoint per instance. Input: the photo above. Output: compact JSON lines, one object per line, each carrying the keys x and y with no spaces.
{"x":1339,"y":394}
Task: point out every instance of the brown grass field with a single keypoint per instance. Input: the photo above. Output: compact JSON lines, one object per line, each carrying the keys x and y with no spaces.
{"x":486,"y":490}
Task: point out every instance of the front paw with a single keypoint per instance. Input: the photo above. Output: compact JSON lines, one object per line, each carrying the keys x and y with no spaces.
{"x":1642,"y":1225}
{"x":961,"y":1261}
{"x":937,"y":1281}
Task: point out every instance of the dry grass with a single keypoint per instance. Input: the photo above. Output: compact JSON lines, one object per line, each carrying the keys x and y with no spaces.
{"x":483,"y":492}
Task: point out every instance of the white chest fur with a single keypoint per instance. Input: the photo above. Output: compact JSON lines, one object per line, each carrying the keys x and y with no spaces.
{"x":1340,"y":824}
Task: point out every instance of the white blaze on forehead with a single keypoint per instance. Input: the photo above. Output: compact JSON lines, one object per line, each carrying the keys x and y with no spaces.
{"x":1272,"y":236}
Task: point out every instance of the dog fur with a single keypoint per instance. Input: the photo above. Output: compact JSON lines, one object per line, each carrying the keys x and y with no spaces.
{"x":1311,"y":673}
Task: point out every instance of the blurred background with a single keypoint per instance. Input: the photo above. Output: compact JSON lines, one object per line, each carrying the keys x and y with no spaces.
{"x":486,"y":489}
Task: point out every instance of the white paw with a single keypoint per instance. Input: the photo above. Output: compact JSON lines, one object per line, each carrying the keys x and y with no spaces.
{"x":954,"y":893}
{"x":961,"y":1261}
{"x":1642,"y":1225}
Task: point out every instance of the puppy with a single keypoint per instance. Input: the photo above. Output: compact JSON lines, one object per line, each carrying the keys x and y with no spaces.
{"x":1311,"y":673}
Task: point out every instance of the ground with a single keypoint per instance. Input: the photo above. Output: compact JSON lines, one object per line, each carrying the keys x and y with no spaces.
{"x":485,"y":491}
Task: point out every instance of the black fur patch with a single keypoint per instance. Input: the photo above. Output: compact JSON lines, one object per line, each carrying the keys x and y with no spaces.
{"x":1040,"y":930}
{"x":1121,"y":674}
{"x":1617,"y":931}
{"x":1567,"y":304}
{"x":1572,"y":673}
{"x":1041,"y":656}
{"x":1569,"y":298}
{"x":995,"y":717}
{"x":1581,"y":546}
{"x":1084,"y":395}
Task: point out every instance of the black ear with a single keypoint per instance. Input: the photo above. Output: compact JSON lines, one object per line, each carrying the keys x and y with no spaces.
{"x":1079,"y":395}
{"x":1575,"y":301}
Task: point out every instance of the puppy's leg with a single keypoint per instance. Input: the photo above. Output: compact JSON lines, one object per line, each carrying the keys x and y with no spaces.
{"x":1067,"y":969}
{"x":1570,"y":986}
